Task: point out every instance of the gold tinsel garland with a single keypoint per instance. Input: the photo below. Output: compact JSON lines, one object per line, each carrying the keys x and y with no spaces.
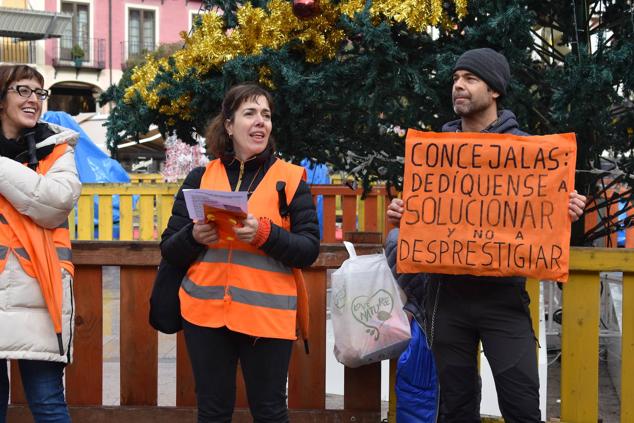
{"x":211,"y":45}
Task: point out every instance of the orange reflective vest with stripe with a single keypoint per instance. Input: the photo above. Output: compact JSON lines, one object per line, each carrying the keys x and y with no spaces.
{"x":42,"y":252}
{"x":236,"y":285}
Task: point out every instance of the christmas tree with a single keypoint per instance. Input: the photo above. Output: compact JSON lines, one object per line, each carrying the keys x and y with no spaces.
{"x":349,"y":78}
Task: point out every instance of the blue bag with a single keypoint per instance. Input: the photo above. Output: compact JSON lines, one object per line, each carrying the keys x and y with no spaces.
{"x":417,"y":393}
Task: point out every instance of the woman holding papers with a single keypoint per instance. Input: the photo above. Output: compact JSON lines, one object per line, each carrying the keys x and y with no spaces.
{"x":239,"y":299}
{"x":38,"y":189}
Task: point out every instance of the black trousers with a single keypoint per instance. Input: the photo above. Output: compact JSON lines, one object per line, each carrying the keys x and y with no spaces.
{"x":496,"y":314}
{"x":214,"y":354}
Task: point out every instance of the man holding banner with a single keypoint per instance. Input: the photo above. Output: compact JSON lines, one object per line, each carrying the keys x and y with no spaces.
{"x":484,"y":206}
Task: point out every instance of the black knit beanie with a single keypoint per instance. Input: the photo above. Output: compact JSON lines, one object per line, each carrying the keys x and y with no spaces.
{"x":487,"y":64}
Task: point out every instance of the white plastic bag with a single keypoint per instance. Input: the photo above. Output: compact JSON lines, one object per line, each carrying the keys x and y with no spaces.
{"x":367,"y":311}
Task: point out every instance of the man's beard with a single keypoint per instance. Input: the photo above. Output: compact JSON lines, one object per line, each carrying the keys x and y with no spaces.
{"x":469,"y":108}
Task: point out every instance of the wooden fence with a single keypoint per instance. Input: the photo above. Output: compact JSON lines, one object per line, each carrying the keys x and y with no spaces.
{"x":143,"y":213}
{"x":139,"y":348}
{"x":139,"y":351}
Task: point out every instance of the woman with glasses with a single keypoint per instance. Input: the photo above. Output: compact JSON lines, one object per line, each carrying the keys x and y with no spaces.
{"x":38,"y":188}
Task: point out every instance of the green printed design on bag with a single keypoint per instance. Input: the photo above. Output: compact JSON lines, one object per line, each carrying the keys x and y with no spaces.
{"x":372,"y":311}
{"x":339,"y":299}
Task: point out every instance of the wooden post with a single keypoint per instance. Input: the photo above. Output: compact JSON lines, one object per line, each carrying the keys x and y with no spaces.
{"x":185,"y":395}
{"x":580,"y":349}
{"x":627,"y":349}
{"x":84,"y":377}
{"x":307,"y":376}
{"x":139,"y":341}
{"x":364,"y":237}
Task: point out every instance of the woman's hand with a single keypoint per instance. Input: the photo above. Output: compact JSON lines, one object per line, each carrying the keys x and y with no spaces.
{"x":395,"y":212}
{"x":247,"y":231}
{"x":205,"y":233}
{"x":576,"y":205}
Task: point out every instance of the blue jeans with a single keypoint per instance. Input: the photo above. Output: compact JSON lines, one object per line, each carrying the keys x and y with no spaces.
{"x":43,"y":388}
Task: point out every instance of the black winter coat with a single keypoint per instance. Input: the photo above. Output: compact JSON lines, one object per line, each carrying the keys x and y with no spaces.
{"x":298,"y":248}
{"x":412,"y":284}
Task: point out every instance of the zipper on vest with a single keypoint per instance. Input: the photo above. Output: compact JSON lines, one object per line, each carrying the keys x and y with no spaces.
{"x":240,"y":175}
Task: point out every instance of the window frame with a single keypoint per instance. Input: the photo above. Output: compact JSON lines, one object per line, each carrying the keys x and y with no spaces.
{"x":64,"y":52}
{"x":143,"y":9}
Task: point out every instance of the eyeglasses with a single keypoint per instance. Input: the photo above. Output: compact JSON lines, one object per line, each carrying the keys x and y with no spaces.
{"x":26,"y":91}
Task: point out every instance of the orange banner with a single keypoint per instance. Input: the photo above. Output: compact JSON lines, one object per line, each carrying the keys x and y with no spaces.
{"x":487,"y":204}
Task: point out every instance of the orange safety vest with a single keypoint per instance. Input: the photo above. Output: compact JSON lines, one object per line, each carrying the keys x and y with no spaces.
{"x":42,"y":252}
{"x":235,"y":284}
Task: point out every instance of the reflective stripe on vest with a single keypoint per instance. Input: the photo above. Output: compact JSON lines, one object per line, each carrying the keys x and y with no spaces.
{"x":262,"y":299}
{"x":64,"y":254}
{"x":202,"y":292}
{"x":22,"y":253}
{"x":244,"y":258}
{"x":244,"y":296}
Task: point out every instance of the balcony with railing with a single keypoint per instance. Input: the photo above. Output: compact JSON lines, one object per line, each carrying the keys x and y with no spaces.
{"x":13,"y":50}
{"x":133,"y":52}
{"x":68,"y":52}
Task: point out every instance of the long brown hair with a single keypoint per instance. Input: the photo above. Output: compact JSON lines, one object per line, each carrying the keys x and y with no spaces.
{"x":218,"y":140}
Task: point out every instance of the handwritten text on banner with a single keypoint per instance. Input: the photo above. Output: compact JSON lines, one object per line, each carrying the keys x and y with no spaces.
{"x":487,"y":204}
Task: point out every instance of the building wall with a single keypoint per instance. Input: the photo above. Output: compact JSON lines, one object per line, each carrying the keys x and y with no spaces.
{"x":20,"y":4}
{"x":171,"y":17}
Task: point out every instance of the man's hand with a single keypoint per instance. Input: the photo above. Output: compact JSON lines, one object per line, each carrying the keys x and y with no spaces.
{"x":576,"y":205}
{"x":395,"y":212}
{"x":249,"y":228}
{"x":205,"y":233}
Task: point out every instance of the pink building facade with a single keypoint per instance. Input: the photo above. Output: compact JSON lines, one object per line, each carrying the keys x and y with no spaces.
{"x":125,"y":27}
{"x":106,"y":37}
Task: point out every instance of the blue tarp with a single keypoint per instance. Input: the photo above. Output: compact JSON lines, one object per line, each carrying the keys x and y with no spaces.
{"x":620,"y":235}
{"x":317,"y":174}
{"x":93,"y":165}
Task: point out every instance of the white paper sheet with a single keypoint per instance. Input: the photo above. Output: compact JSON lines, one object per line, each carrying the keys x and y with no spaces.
{"x":197,"y":198}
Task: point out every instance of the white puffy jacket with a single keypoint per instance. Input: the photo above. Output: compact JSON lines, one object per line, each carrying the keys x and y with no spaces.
{"x":26,"y":328}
